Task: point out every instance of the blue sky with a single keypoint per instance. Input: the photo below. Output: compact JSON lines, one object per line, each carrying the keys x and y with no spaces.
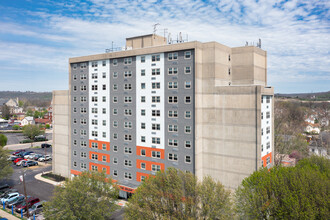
{"x":38,"y":36}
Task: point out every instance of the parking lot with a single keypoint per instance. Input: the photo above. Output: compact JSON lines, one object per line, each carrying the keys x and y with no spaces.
{"x":15,"y":138}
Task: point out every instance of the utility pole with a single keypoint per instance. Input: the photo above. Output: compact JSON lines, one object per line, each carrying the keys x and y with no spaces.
{"x":26,"y":199}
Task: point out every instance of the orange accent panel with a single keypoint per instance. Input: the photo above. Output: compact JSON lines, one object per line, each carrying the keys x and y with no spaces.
{"x":75,"y":172}
{"x":99,"y":144}
{"x":149,"y":150}
{"x":148,"y":164}
{"x":126,"y":189}
{"x":99,"y":156}
{"x":138,"y":176}
{"x":100,"y":166}
{"x":264,"y":159}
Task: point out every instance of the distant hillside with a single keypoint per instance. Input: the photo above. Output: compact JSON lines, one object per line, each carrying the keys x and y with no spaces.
{"x":318,"y":96}
{"x":42,"y":96}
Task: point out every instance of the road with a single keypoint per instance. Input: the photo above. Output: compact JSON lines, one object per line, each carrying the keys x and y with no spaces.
{"x":15,"y":138}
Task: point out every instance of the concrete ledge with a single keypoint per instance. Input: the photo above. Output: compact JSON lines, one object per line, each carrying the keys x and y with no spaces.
{"x":39,"y":177}
{"x":4,"y":214}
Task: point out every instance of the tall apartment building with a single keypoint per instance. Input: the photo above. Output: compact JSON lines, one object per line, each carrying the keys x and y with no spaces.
{"x":204,"y":108}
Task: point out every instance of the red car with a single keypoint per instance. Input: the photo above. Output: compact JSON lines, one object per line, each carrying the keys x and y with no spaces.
{"x":18,"y":151}
{"x":22,"y":206}
{"x":18,"y":159}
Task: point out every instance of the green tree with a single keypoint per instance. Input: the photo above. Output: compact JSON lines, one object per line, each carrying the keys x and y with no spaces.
{"x":300,"y":192}
{"x":5,"y":165}
{"x":20,"y":103}
{"x":47,"y":126}
{"x":31,"y":131}
{"x":173,"y":194}
{"x":91,"y":195}
{"x":3,"y":140}
{"x":29,"y":112}
{"x":5,"y":112}
{"x":16,"y":127}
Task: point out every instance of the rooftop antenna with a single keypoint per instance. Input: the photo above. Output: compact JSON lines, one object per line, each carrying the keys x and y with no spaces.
{"x":169,"y":38}
{"x":155,"y":28}
{"x":259,"y":43}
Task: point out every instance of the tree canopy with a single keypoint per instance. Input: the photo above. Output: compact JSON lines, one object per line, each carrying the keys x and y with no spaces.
{"x":300,"y":192}
{"x":5,"y":167}
{"x":173,"y":194}
{"x":91,"y":195}
{"x":31,"y":131}
{"x":3,"y":140}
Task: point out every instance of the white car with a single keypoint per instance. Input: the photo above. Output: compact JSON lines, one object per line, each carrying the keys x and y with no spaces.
{"x":9,"y":196}
{"x":45,"y":158}
{"x":19,"y":162}
{"x":30,"y":156}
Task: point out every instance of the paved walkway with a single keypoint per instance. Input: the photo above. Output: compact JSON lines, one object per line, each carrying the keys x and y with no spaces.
{"x":4,"y":214}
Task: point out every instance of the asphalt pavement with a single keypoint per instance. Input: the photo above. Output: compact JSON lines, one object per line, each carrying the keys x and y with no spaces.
{"x":15,"y":138}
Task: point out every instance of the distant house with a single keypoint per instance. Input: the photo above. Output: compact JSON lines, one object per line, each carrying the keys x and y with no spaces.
{"x":27,"y":121}
{"x":42,"y":121}
{"x":312,"y":128}
{"x":20,"y":116}
{"x":286,"y":161}
{"x":3,"y":123}
{"x":319,"y":144}
{"x":12,"y":103}
{"x":310,"y":119}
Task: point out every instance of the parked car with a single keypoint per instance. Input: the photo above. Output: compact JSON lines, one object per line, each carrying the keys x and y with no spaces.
{"x":45,"y":158}
{"x":17,"y":160}
{"x":36,"y":208}
{"x":19,"y":163}
{"x":29,"y":163}
{"x":19,"y":200}
{"x":7,"y":192}
{"x":40,"y":138}
{"x":13,"y":201}
{"x":27,"y":153}
{"x":4,"y":187}
{"x":45,"y":145}
{"x":9,"y":196}
{"x":17,"y":152}
{"x":37,"y":156}
{"x":23,"y":206}
{"x":12,"y":158}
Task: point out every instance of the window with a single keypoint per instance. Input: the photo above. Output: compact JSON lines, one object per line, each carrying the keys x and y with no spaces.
{"x":75,"y":66}
{"x":143,"y":178}
{"x":74,"y":98}
{"x":74,"y":88}
{"x":268,"y":160}
{"x":128,"y":163}
{"x":128,"y":112}
{"x":156,"y":127}
{"x":74,"y":77}
{"x":83,"y":110}
{"x":187,"y":129}
{"x":173,"y":56}
{"x":128,"y":61}
{"x":143,"y":152}
{"x":172,"y":142}
{"x":128,"y":137}
{"x":115,"y":172}
{"x":83,"y":166}
{"x":156,"y":113}
{"x":262,"y":115}
{"x":143,"y":139}
{"x":74,"y":163}
{"x":127,"y":150}
{"x":115,"y":148}
{"x":143,"y":59}
{"x":115,"y":160}
{"x":94,"y":64}
{"x":155,"y":58}
{"x":187,"y":84}
{"x":143,"y":166}
{"x":104,"y":63}
{"x":127,"y":99}
{"x":94,"y":75}
{"x":74,"y":142}
{"x":187,"y":114}
{"x":268,"y":145}
{"x":115,"y":111}
{"x":187,"y":54}
{"x":83,"y":154}
{"x":94,"y":110}
{"x":155,"y":99}
{"x":172,"y":114}
{"x":172,"y":71}
{"x":127,"y":74}
{"x":143,"y":125}
{"x":268,"y":130}
{"x":83,"y":99}
{"x":173,"y":128}
{"x":172,"y":99}
{"x":94,"y":98}
{"x":104,"y":87}
{"x":267,"y":99}
{"x":143,"y":99}
{"x":83,"y":66}
{"x":128,"y":124}
{"x":228,"y":71}
{"x":187,"y":144}
{"x":155,"y":85}
{"x":187,"y":99}
{"x":262,"y":131}
{"x":267,"y":114}
{"x":155,"y":72}
{"x":128,"y":175}
{"x":155,"y":168}
{"x":143,"y":85}
{"x":83,"y":121}
{"x":74,"y":131}
{"x":115,"y":136}
{"x":83,"y":76}
{"x":94,"y":134}
{"x":94,"y":156}
{"x":143,"y":112}
{"x":115,"y":124}
{"x":115,"y":87}
{"x":187,"y":159}
{"x":155,"y":154}
{"x":172,"y":85}
{"x":104,"y":98}
{"x":173,"y":157}
{"x":104,"y":147}
{"x":104,"y":122}
{"x":128,"y":86}
{"x":115,"y":99}
{"x":83,"y":88}
{"x":115,"y":74}
{"x":143,"y":72}
{"x":115,"y":62}
{"x":187,"y":70}
{"x":104,"y":75}
{"x":83,"y":144}
{"x":94,"y":145}
{"x":155,"y":140}
{"x":104,"y":110}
